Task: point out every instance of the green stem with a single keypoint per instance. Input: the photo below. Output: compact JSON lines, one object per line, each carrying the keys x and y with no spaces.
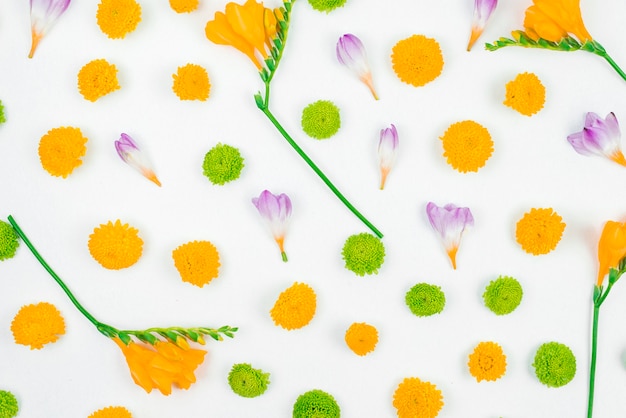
{"x":592,"y":366}
{"x":614,"y":65}
{"x":103,"y":328}
{"x":315,"y":168}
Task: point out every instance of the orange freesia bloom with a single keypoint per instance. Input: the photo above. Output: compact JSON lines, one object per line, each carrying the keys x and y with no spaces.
{"x":162,"y":365}
{"x":554,"y":20}
{"x":611,"y":247}
{"x":249,"y":28}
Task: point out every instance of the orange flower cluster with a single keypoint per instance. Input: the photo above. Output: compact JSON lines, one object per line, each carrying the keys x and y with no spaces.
{"x":162,"y":365}
{"x":250,"y":28}
{"x":554,"y":20}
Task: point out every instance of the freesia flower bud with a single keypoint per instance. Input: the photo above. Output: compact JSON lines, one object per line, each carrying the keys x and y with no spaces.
{"x":387,"y":151}
{"x":276,"y":210}
{"x":130,"y":153}
{"x":351,"y":53}
{"x":611,"y":248}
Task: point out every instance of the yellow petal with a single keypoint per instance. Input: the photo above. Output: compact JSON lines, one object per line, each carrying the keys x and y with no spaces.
{"x":247,"y":21}
{"x":220,"y":32}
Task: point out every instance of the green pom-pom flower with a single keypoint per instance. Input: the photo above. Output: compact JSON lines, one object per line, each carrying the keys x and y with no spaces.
{"x":2,"y":117}
{"x":321,"y":119}
{"x":222,"y":164}
{"x":246,"y":381}
{"x":425,"y":299}
{"x":555,"y":364}
{"x":8,"y":404}
{"x":316,"y":404}
{"x":8,"y":241}
{"x":326,"y":5}
{"x":363,"y":253}
{"x":503,"y":295}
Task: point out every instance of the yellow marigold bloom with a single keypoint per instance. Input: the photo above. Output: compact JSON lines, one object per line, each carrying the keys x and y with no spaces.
{"x":191,"y":82}
{"x":117,"y":18}
{"x":249,"y":28}
{"x":96,"y":79}
{"x":197,"y":262}
{"x":112,"y":412}
{"x":37,"y":325}
{"x":553,"y":20}
{"x":184,"y":6}
{"x":539,"y":231}
{"x":61,"y":149}
{"x":417,"y":60}
{"x":487,"y":362}
{"x":295,"y":307}
{"x":525,"y":94}
{"x":467,"y":145}
{"x":361,"y":338}
{"x":415,"y":398}
{"x":115,"y":245}
{"x":162,"y":365}
{"x":611,"y":248}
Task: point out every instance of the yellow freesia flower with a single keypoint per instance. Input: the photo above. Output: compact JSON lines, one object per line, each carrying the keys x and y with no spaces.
{"x":554,"y":20}
{"x":611,"y":248}
{"x":161,"y":365}
{"x":248,"y":27}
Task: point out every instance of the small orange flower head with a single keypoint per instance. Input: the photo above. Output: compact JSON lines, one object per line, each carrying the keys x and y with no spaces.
{"x":611,"y":247}
{"x":554,"y":20}
{"x":162,"y":365}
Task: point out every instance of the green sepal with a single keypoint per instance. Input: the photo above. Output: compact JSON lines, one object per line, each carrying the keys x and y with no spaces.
{"x":614,"y":275}
{"x":271,"y":64}
{"x":125,"y":338}
{"x":264,"y":74}
{"x":147,"y":338}
{"x":597,"y":293}
{"x":170,"y":335}
{"x":259,"y":101}
{"x":191,"y":335}
{"x":279,"y":44}
{"x":288,"y":6}
{"x":283,"y":25}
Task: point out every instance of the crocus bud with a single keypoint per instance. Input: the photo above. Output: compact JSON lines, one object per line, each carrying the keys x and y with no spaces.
{"x":351,"y":53}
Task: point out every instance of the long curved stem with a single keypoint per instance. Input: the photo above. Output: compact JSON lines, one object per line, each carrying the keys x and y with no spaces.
{"x":616,"y":67}
{"x":319,"y":172}
{"x":56,"y":278}
{"x":592,"y":366}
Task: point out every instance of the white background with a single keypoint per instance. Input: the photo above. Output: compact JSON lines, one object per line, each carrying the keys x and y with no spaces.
{"x":532,"y":166}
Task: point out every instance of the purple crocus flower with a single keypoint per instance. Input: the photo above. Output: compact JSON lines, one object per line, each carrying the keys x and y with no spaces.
{"x":43,"y":15}
{"x":130,"y":153}
{"x":599,"y":137}
{"x":351,"y":53}
{"x":276,"y":210}
{"x":482,"y":12}
{"x":387,"y":150}
{"x":449,"y":221}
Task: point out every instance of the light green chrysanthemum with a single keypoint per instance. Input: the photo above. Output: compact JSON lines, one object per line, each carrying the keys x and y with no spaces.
{"x":363,"y":253}
{"x":425,"y":299}
{"x":246,"y":381}
{"x":316,"y":404}
{"x":8,"y":404}
{"x":503,"y":295}
{"x":8,"y":241}
{"x":321,"y":120}
{"x":326,"y":5}
{"x":222,"y":164}
{"x":2,"y":117}
{"x":555,"y":364}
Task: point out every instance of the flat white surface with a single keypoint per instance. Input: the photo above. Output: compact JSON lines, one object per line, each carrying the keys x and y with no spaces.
{"x":532,"y":166}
